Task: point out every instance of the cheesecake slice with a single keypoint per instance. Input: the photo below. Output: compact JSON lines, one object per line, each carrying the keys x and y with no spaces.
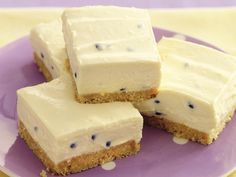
{"x":112,"y":53}
{"x":70,"y":137}
{"x":197,"y":95}
{"x":49,"y":49}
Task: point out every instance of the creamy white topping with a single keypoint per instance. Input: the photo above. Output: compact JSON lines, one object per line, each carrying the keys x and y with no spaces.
{"x":198,"y":87}
{"x":110,"y":48}
{"x":64,"y":128}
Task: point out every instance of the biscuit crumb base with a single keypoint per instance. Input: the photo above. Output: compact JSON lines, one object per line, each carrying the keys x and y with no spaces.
{"x":42,"y":68}
{"x":183,"y":131}
{"x":134,"y":96}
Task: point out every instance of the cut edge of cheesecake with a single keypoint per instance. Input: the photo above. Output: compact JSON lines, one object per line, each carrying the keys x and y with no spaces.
{"x":42,"y":68}
{"x":78,"y":163}
{"x":132,"y":96}
{"x":183,"y":131}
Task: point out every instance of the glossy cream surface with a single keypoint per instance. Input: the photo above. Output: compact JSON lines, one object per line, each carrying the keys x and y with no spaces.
{"x":110,"y":48}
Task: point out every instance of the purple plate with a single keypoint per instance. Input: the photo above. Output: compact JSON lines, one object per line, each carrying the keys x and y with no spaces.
{"x":161,"y":154}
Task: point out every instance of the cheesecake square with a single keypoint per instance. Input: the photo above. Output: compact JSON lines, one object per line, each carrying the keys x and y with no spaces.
{"x":69,"y":137}
{"x":197,"y":95}
{"x":112,"y":54}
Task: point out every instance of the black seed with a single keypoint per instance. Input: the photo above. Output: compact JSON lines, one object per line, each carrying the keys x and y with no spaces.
{"x":157,"y":101}
{"x":129,"y":49}
{"x":42,"y":55}
{"x":108,"y":143}
{"x":99,"y":47}
{"x":158,"y":113}
{"x":36,"y":128}
{"x":75,"y":75}
{"x":73,"y":145}
{"x":123,"y":89}
{"x":93,"y":137}
{"x":52,"y":67}
{"x":191,"y":105}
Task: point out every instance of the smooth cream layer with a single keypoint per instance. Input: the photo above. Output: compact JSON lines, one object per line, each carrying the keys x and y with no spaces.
{"x":198,"y":87}
{"x":65,"y":129}
{"x":111,"y":49}
{"x":48,"y":43}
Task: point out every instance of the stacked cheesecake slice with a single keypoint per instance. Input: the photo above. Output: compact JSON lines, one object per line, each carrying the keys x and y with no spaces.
{"x":112,"y":53}
{"x":197,"y":96}
{"x":66,"y":134}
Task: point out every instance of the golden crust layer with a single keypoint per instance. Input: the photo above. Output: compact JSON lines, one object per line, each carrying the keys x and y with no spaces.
{"x":180,"y":130}
{"x":42,"y":68}
{"x":133,"y":96}
{"x":79,"y":163}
